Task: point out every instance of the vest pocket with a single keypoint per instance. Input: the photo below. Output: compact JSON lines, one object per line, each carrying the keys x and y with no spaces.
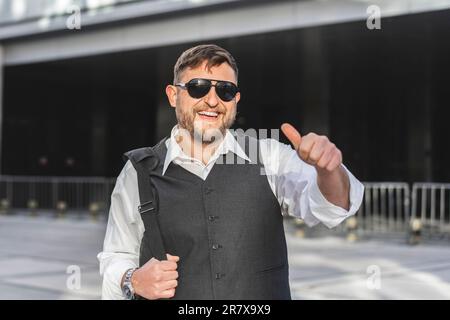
{"x":271,"y":269}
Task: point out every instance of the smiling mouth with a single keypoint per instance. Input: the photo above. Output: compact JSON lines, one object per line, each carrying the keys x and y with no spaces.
{"x":208,"y":115}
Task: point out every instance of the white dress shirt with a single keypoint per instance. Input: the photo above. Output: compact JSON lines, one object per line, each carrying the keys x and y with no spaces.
{"x":293,"y":182}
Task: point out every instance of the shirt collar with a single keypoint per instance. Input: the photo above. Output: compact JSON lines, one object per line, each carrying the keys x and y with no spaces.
{"x":174,"y":150}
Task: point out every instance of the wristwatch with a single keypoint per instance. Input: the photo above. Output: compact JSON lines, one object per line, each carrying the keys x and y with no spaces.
{"x":127,"y":288}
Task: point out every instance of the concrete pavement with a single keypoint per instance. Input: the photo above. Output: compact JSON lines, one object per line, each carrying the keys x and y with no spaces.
{"x":38,"y":255}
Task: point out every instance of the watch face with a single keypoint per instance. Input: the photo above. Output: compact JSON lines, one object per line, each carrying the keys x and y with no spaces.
{"x":127,"y":289}
{"x":127,"y":293}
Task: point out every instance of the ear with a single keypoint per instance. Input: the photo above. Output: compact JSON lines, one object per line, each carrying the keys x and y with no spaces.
{"x":238,"y":97}
{"x":171,"y":92}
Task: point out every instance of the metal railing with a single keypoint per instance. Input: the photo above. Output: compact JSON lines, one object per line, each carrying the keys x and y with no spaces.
{"x":431,"y":206}
{"x":385,"y":207}
{"x":422,"y":210}
{"x":62,"y":194}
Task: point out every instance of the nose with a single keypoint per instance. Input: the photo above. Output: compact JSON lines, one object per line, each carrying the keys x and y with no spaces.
{"x":211,"y":99}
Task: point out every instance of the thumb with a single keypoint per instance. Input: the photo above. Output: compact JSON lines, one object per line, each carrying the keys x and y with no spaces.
{"x":172,"y":258}
{"x":292,"y":134}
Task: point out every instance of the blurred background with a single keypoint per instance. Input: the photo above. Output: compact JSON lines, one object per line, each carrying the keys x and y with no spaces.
{"x":83,"y":81}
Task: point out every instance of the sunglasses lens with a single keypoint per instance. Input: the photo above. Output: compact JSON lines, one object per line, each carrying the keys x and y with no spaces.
{"x":226,"y":91}
{"x":198,"y":88}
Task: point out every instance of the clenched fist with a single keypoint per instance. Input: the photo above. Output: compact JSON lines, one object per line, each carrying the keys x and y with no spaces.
{"x":315,"y":150}
{"x":156,"y":279}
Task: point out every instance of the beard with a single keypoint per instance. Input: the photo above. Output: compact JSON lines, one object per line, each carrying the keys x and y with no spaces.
{"x":203,"y":131}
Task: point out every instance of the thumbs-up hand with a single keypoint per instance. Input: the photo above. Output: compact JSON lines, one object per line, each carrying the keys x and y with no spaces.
{"x":315,"y":150}
{"x":319,"y":152}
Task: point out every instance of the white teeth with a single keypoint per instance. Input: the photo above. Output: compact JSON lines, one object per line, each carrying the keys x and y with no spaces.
{"x":207,"y":113}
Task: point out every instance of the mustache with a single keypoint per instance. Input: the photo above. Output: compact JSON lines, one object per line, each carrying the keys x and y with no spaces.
{"x":219,"y":109}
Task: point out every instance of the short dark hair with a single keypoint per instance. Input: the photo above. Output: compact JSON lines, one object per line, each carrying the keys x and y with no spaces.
{"x":193,"y":57}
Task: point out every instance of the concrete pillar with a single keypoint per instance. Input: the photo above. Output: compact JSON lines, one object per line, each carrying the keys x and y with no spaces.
{"x":165,"y":114}
{"x":315,"y":84}
{"x":99,"y":120}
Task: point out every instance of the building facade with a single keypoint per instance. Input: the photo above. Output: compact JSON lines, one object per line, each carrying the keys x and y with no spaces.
{"x":83,"y":81}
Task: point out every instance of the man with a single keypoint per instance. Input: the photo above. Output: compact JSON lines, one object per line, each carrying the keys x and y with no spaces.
{"x":221,"y":223}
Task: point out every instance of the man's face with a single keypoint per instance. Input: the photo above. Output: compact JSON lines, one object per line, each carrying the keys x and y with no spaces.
{"x":188,"y":109}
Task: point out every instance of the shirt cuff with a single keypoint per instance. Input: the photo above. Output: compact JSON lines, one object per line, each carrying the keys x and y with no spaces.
{"x":328,"y":213}
{"x":112,"y":278}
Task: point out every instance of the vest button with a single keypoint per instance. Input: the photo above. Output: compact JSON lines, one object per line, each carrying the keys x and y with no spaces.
{"x":216,"y":246}
{"x":208,"y":190}
{"x":220,"y":275}
{"x":212,"y":218}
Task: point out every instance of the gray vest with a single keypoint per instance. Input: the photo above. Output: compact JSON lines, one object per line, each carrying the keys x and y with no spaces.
{"x":227,"y":231}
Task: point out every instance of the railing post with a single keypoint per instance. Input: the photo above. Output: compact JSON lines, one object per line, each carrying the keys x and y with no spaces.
{"x":416,"y":224}
{"x":433,"y":206}
{"x":407,"y":203}
{"x":368,"y":210}
{"x":424,"y":203}
{"x":10,"y":193}
{"x":442,"y":211}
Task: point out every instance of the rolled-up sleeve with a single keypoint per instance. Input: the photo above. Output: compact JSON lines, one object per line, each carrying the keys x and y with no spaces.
{"x":123,"y":234}
{"x":294,"y":183}
{"x":328,"y":213}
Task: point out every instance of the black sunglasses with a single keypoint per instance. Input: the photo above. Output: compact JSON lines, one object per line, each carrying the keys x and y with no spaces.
{"x":198,"y":88}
